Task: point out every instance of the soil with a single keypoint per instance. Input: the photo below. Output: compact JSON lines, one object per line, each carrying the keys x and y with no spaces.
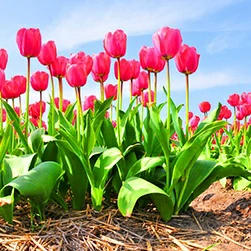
{"x":219,"y":219}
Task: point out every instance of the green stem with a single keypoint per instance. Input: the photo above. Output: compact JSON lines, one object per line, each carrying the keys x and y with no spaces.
{"x":52,"y":102}
{"x":20,"y":106}
{"x":102,"y":91}
{"x":234,"y":129}
{"x":13,"y":103}
{"x":60,"y":83}
{"x":41,"y":110}
{"x":27,"y":97}
{"x":142,"y":109}
{"x":149,"y":88}
{"x":121,"y":95}
{"x":79,"y":117}
{"x":187,"y":106}
{"x":155,"y":87}
{"x":168,"y":83}
{"x":118,"y":102}
{"x":131,"y":90}
{"x":244,"y":133}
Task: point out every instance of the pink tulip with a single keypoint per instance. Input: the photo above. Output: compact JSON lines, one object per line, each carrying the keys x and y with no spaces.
{"x":115,"y":44}
{"x":134,"y":68}
{"x":3,"y":59}
{"x":111,"y":91}
{"x":194,"y":121}
{"x":125,"y":70}
{"x":3,"y":115}
{"x":234,"y":100}
{"x":90,"y":102}
{"x":48,"y":53}
{"x":141,"y":82}
{"x":76,"y":75}
{"x":34,"y":109}
{"x":150,"y":59}
{"x":35,"y":122}
{"x":145,"y":97}
{"x":100,"y":79}
{"x":21,"y":82}
{"x":167,"y":41}
{"x":205,"y":107}
{"x":17,"y":111}
{"x":29,"y":42}
{"x":187,"y":60}
{"x":66,"y":103}
{"x":10,"y":90}
{"x":101,"y":64}
{"x":39,"y":81}
{"x":58,"y":68}
{"x":2,"y":78}
{"x":81,"y":57}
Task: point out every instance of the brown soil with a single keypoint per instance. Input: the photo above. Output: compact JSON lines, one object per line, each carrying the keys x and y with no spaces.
{"x":219,"y":219}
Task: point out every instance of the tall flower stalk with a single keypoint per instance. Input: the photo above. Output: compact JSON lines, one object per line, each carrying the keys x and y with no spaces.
{"x":27,"y":97}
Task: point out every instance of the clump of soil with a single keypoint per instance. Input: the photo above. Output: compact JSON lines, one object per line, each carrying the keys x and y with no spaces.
{"x":218,"y":219}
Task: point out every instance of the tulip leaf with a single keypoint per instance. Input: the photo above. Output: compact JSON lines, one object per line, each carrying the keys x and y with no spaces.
{"x":135,"y":188}
{"x":108,"y":133}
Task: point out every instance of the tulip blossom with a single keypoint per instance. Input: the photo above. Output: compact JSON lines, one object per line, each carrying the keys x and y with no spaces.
{"x":187,"y":60}
{"x":125,"y":70}
{"x":234,"y":100}
{"x":66,"y":103}
{"x":134,"y":68}
{"x":20,"y":80}
{"x":35,"y":122}
{"x":101,"y":65}
{"x":141,"y":82}
{"x":48,"y":53}
{"x":76,"y":75}
{"x":81,"y":57}
{"x":39,"y":81}
{"x":34,"y":109}
{"x":2,"y":79}
{"x":167,"y":41}
{"x":3,"y":59}
{"x":145,"y":98}
{"x":115,"y":43}
{"x":3,"y":115}
{"x":111,"y":91}
{"x":90,"y":102}
{"x":29,"y":42}
{"x":58,"y":68}
{"x":10,"y":90}
{"x":194,"y":121}
{"x":205,"y":107}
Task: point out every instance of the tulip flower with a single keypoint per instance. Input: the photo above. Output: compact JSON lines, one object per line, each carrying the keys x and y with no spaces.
{"x":125,"y":73}
{"x":3,"y":59}
{"x":81,"y":57}
{"x":48,"y":53}
{"x":36,"y":124}
{"x":66,"y":103}
{"x":76,"y":75}
{"x":39,"y":81}
{"x":234,"y":100}
{"x":134,"y":73}
{"x":205,"y":107}
{"x":141,"y":82}
{"x":3,"y":119}
{"x":100,"y":70}
{"x":34,"y":109}
{"x":145,"y":98}
{"x":10,"y":90}
{"x":111,"y":91}
{"x":194,"y":121}
{"x":29,"y":45}
{"x":90,"y":102}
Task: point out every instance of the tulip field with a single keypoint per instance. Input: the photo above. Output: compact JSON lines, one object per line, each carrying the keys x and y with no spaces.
{"x":92,"y":150}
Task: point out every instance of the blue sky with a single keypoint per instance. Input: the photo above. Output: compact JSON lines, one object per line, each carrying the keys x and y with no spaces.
{"x":220,"y":30}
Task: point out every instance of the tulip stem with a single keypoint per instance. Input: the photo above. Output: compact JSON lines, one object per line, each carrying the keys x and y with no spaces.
{"x":13,"y":103}
{"x":131,"y":90}
{"x":187,"y":106}
{"x":168,"y":123}
{"x":118,"y":102}
{"x":52,"y":102}
{"x":79,"y":117}
{"x":102,"y":97}
{"x":27,"y":97}
{"x":60,"y":83}
{"x":244,"y":133}
{"x":149,"y":88}
{"x":41,"y":110}
{"x":155,"y":87}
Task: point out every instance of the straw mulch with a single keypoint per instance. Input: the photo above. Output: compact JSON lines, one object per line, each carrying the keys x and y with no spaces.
{"x":108,"y":230}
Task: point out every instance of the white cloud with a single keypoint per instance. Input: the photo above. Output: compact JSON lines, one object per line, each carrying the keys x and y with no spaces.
{"x":89,"y":21}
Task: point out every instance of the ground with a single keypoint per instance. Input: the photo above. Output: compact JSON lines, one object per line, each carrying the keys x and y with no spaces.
{"x":219,"y":219}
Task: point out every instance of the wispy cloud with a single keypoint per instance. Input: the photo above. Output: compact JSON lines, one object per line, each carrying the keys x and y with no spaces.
{"x":89,"y":21}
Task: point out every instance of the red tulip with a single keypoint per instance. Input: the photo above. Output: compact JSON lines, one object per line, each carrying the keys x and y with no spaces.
{"x":150,"y":59}
{"x":3,"y":59}
{"x":3,"y":115}
{"x":234,"y":100}
{"x":134,"y":68}
{"x":101,"y":66}
{"x":34,"y":109}
{"x":76,"y":75}
{"x":58,"y":68}
{"x":29,"y":42}
{"x":39,"y":81}
{"x":141,"y":82}
{"x":194,"y":121}
{"x":66,"y":103}
{"x":187,"y":60}
{"x":48,"y":53}
{"x":10,"y":90}
{"x":246,"y":97}
{"x":21,"y":82}
{"x":2,"y":78}
{"x":190,"y":115}
{"x":100,"y":79}
{"x":17,"y":111}
{"x":111,"y":91}
{"x":35,"y":122}
{"x":115,"y":44}
{"x":90,"y":102}
{"x":241,"y":112}
{"x":125,"y":70}
{"x":205,"y":107}
{"x":81,"y":57}
{"x":145,"y":100}
{"x":167,"y":41}
{"x":135,"y":90}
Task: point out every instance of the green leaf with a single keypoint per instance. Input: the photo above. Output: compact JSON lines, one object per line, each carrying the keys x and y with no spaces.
{"x":135,"y":188}
{"x":108,"y":133}
{"x":16,"y":124}
{"x":7,"y":207}
{"x":36,"y":142}
{"x":37,"y":185}
{"x":16,"y":166}
{"x":5,"y":142}
{"x":144,"y":164}
{"x":89,"y":134}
